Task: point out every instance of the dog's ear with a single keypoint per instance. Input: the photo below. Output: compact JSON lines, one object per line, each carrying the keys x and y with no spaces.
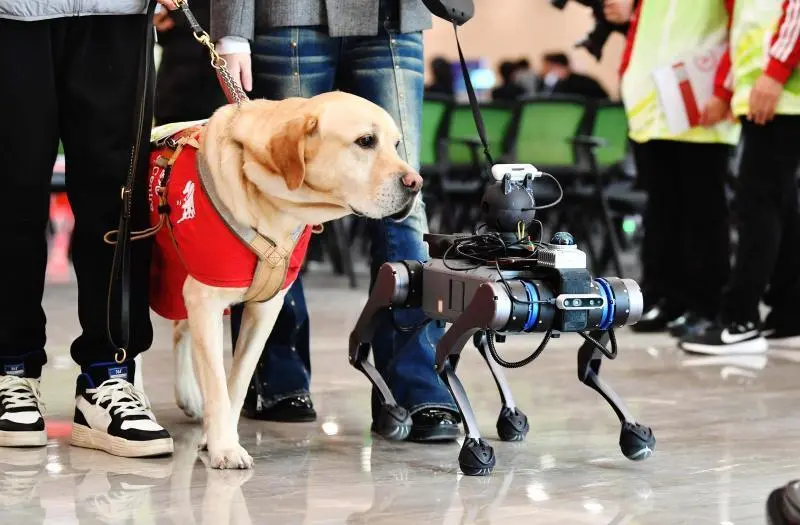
{"x":287,"y":149}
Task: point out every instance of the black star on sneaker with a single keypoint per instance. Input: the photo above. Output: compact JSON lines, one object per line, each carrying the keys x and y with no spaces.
{"x":719,"y":339}
{"x":114,"y":416}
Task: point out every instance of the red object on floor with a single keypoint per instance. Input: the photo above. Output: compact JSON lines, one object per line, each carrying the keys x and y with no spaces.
{"x":198,"y":242}
{"x":62,"y":221}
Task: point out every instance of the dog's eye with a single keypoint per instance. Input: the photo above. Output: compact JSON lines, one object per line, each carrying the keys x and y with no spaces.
{"x":367,"y":141}
{"x":397,"y":145}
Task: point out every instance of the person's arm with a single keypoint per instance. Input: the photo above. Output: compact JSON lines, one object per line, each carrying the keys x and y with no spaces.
{"x":719,"y":107}
{"x":723,"y":79}
{"x":233,"y":27}
{"x":784,"y":55}
{"x":784,"y":51}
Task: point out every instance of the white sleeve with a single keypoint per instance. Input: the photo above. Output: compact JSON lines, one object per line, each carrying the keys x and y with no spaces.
{"x":229,"y":45}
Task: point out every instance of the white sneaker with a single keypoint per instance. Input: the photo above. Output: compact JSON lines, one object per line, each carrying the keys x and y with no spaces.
{"x":115,"y":416}
{"x":21,"y":407}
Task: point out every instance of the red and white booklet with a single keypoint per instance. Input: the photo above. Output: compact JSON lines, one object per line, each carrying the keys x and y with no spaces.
{"x":685,"y":87}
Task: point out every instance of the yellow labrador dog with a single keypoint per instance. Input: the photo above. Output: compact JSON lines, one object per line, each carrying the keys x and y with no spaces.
{"x":277,"y":166}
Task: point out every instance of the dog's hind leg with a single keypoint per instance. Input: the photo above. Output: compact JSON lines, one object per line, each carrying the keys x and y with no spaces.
{"x":187,"y":391}
{"x":258,"y":320}
{"x":206,"y":306}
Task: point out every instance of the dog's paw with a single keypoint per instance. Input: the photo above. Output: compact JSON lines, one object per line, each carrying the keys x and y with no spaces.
{"x":234,"y":457}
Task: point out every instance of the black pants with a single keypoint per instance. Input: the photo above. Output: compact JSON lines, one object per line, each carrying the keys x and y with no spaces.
{"x":74,"y":79}
{"x":686,"y":247}
{"x":768,"y":253}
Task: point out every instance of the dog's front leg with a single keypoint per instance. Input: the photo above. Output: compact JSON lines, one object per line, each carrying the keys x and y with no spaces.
{"x":258,"y":320}
{"x":206,"y":306}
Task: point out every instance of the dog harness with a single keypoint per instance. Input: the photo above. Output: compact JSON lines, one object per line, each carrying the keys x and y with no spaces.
{"x":198,"y":236}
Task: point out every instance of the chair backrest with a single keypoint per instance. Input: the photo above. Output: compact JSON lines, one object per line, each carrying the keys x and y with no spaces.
{"x":610,"y":124}
{"x":546,"y":127}
{"x":434,"y":113}
{"x":497,"y":119}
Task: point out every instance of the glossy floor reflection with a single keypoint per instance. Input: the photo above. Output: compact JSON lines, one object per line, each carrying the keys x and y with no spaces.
{"x":727,"y":431}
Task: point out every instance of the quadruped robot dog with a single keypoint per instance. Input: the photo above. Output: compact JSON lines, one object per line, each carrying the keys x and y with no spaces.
{"x":497,"y":282}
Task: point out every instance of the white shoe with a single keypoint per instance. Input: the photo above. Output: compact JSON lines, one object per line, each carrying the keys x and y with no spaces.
{"x":21,"y":407}
{"x":115,"y":416}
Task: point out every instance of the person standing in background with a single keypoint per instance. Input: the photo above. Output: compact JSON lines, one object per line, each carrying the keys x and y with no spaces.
{"x":187,"y":88}
{"x":765,"y":54}
{"x":372,"y":49}
{"x":71,"y":75}
{"x":686,"y":246}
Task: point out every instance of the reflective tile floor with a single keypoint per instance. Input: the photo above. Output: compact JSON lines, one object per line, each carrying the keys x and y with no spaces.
{"x":727,"y":432}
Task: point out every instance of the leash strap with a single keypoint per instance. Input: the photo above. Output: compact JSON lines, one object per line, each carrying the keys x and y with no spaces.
{"x":473,"y":101}
{"x":120,"y":268}
{"x":233,"y":91}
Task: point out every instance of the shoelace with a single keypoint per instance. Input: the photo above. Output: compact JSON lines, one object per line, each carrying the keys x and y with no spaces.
{"x":21,"y":392}
{"x":125,"y":399}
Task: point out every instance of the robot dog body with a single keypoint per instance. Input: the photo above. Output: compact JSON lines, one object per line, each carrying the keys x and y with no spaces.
{"x":531,"y":287}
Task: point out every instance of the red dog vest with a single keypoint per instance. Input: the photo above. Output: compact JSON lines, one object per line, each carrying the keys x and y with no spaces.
{"x":195,"y":240}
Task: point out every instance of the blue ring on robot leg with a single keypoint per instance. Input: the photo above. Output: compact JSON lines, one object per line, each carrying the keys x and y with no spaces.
{"x":533,"y":305}
{"x":608,"y":308}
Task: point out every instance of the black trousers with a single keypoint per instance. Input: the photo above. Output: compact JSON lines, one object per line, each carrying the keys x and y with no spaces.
{"x":72,"y":79}
{"x":686,"y":246}
{"x":768,"y":254}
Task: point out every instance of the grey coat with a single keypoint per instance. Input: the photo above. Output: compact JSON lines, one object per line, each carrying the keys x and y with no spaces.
{"x":343,"y":17}
{"x":28,"y":10}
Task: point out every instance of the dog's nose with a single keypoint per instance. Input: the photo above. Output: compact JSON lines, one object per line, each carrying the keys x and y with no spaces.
{"x":412,"y":181}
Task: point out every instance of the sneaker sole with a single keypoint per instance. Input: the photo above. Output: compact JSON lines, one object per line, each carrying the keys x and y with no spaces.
{"x":33,"y":438}
{"x":86,"y":437}
{"x":753,"y":346}
{"x":792,"y":341}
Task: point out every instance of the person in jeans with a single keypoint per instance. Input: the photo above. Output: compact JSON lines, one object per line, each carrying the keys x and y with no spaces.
{"x":765,"y":54}
{"x":72,"y":78}
{"x":372,"y":49}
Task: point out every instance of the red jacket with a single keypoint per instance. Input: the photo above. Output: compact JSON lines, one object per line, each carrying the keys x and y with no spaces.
{"x":196,"y":241}
{"x":784,"y":53}
{"x":723,"y":83}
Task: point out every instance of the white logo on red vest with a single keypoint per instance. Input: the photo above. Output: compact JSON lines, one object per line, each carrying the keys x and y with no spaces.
{"x":187,"y":203}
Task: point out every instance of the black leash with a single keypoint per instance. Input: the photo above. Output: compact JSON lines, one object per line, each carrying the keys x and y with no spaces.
{"x":123,"y":236}
{"x":473,"y":101}
{"x":120,"y":269}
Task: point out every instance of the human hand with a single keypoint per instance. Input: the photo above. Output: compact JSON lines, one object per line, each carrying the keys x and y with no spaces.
{"x":764,"y":99}
{"x":716,"y":111}
{"x":169,"y":4}
{"x":240,"y":69}
{"x":163,"y":21}
{"x":618,"y":11}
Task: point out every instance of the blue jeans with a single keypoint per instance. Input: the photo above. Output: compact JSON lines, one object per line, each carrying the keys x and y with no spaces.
{"x":388,"y":70}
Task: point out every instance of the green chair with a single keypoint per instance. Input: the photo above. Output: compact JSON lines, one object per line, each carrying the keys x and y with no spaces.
{"x":545,"y":131}
{"x":463,"y":179}
{"x":435,"y":110}
{"x":463,"y":146}
{"x":612,"y":193}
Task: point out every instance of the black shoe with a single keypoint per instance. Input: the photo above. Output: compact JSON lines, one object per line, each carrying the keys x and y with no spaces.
{"x":720,"y":339}
{"x":434,"y":424}
{"x":776,"y":330}
{"x":688,"y":324}
{"x":114,"y":416}
{"x":656,"y":319}
{"x":783,"y":505}
{"x":295,"y":409}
